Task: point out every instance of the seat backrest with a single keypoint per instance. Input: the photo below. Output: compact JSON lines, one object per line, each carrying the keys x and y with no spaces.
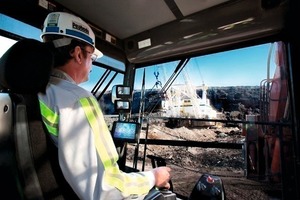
{"x":29,"y":166}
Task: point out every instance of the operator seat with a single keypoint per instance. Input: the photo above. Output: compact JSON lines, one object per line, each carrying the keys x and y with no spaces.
{"x":29,"y":166}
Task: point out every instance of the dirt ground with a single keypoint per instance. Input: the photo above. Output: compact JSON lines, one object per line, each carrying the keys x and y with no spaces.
{"x":189,"y":163}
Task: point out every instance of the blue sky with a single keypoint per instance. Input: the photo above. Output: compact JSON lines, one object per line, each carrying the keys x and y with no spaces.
{"x":241,"y":67}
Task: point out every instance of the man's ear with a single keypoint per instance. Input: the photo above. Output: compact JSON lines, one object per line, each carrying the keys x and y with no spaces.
{"x":77,"y":54}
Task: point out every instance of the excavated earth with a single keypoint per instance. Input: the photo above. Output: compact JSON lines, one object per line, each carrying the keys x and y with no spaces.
{"x":189,"y":163}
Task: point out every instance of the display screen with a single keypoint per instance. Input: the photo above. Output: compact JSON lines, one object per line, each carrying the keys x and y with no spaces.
{"x":123,"y":91}
{"x":122,"y":105}
{"x":125,"y":131}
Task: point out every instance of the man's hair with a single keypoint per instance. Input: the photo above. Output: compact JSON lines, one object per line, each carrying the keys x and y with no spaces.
{"x":62,"y":54}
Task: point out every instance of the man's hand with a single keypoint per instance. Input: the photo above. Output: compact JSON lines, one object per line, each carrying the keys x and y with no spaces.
{"x":162,"y":177}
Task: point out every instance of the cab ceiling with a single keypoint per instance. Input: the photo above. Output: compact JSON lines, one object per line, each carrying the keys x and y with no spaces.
{"x":125,"y":18}
{"x":157,"y":30}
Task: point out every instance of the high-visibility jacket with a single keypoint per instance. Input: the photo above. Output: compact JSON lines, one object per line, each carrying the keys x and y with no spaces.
{"x":86,"y":151}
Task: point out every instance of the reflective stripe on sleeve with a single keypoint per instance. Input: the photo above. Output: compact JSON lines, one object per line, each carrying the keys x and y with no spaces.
{"x":108,"y":155}
{"x":100,"y":130}
{"x":50,"y":118}
{"x":128,"y":184}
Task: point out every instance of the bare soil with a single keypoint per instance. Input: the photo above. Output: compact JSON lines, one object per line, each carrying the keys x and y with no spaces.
{"x":189,"y":163}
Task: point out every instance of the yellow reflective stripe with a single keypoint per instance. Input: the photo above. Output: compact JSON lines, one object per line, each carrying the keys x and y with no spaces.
{"x":50,"y":118}
{"x":100,"y":130}
{"x":103,"y":142}
{"x":125,"y":182}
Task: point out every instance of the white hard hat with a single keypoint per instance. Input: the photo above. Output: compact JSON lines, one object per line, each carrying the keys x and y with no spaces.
{"x":66,"y":24}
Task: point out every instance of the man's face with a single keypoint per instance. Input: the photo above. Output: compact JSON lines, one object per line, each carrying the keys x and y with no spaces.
{"x":89,"y":57}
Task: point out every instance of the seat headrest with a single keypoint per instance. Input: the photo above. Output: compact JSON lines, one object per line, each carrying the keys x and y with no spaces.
{"x":25,"y":67}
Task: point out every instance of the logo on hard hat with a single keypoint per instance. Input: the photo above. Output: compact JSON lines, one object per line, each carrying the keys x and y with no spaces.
{"x":53,"y":19}
{"x":80,"y":28}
